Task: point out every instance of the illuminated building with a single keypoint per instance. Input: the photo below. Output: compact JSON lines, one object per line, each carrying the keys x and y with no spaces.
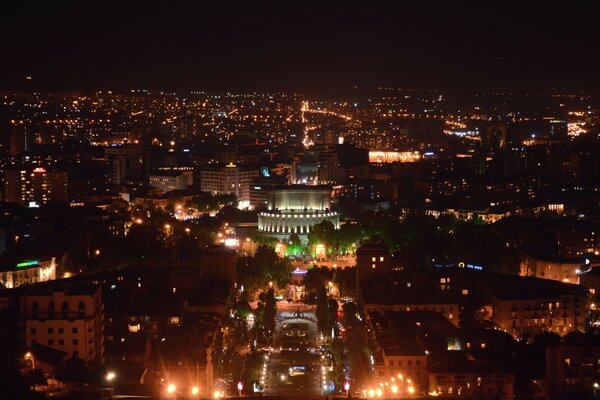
{"x":67,"y":320}
{"x":393,"y":156}
{"x":228,"y":179}
{"x":28,"y":272}
{"x":296,"y":209}
{"x":167,"y":181}
{"x":35,"y":187}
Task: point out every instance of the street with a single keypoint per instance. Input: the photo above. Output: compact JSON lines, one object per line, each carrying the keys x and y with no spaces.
{"x":294,"y":368}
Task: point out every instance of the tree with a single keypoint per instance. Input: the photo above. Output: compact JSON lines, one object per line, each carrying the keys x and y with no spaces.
{"x":322,"y":312}
{"x":294,"y":245}
{"x":322,"y":233}
{"x":73,"y":370}
{"x":266,"y":266}
{"x":270,"y":311}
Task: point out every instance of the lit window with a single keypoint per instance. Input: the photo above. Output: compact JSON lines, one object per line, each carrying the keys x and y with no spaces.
{"x":372,"y":265}
{"x":381,"y":258}
{"x":465,"y":291}
{"x":174,"y":320}
{"x":134,"y":328}
{"x":568,"y":361}
{"x":373,"y":259}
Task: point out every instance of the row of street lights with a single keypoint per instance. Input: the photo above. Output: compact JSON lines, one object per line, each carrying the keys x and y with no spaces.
{"x":393,"y":388}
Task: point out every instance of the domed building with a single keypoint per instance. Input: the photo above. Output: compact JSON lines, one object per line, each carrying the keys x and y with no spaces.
{"x":295,"y":209}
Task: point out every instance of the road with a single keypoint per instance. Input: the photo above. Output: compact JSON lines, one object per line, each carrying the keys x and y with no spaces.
{"x":294,"y":368}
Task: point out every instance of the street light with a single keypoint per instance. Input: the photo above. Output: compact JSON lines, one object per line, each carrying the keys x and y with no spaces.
{"x":171,"y":388}
{"x":195,"y":391}
{"x":29,"y":356}
{"x":240,"y":386}
{"x":347,"y":388}
{"x":110,"y":376}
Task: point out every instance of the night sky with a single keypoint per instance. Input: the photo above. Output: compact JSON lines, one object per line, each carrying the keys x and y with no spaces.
{"x":304,"y":46}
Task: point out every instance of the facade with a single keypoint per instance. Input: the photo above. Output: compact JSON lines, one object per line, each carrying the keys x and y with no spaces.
{"x":410,"y":365}
{"x":372,"y":260}
{"x":167,"y":181}
{"x":296,"y":209}
{"x":228,"y":179}
{"x":558,"y":270}
{"x":470,"y":379}
{"x":35,"y":187}
{"x":28,"y":272}
{"x":125,"y":163}
{"x":533,"y":315}
{"x":572,"y":370}
{"x":70,"y":321}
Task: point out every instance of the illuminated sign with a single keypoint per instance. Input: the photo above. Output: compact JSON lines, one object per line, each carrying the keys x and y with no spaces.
{"x":25,"y":264}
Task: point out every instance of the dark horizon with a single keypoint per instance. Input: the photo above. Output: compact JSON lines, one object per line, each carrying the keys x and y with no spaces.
{"x":308,"y":48}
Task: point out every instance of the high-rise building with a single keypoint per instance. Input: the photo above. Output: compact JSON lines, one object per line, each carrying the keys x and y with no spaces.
{"x":37,"y":186}
{"x":228,"y":179}
{"x":125,"y":163}
{"x":67,"y":320}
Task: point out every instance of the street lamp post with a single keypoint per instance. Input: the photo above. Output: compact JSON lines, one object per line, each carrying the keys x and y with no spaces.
{"x":347,"y":389}
{"x":240,"y":386}
{"x":29,"y":356}
{"x":110,"y":376}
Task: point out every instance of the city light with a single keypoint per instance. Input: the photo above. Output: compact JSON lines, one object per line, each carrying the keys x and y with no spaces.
{"x":110,"y":376}
{"x":171,"y":388}
{"x":195,"y":391}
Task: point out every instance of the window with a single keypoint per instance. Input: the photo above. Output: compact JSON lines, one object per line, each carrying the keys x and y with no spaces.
{"x":568,"y":361}
{"x":61,"y":330}
{"x":50,"y":330}
{"x":75,"y":353}
{"x":34,"y":331}
{"x":50,"y":342}
{"x":74,"y":330}
{"x":450,"y":316}
{"x":81,"y":307}
{"x":381,"y":258}
{"x":75,"y":341}
{"x":65,"y":307}
{"x":391,"y":363}
{"x":35,"y":308}
{"x":465,"y":292}
{"x":373,"y":266}
{"x":61,"y":342}
{"x":373,"y":259}
{"x":409,"y":363}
